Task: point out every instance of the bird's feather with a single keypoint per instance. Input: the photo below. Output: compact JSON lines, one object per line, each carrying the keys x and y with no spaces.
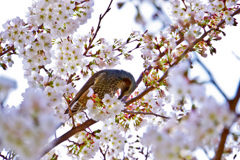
{"x":86,"y":86}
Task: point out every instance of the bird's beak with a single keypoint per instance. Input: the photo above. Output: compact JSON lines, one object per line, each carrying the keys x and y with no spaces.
{"x":121,"y":96}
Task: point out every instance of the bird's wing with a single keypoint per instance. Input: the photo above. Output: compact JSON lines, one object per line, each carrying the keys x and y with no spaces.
{"x":86,"y":86}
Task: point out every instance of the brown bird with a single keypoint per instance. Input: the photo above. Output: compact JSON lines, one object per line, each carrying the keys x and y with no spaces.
{"x":106,"y":81}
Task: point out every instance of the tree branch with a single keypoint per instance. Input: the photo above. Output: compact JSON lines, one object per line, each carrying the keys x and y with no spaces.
{"x":98,"y":27}
{"x":233,"y":102}
{"x":104,"y":154}
{"x":67,"y":135}
{"x":70,"y":78}
{"x":232,"y":107}
{"x":212,"y":79}
{"x":225,"y":132}
{"x":8,"y":50}
{"x":221,"y":145}
{"x":145,"y":113}
{"x":3,"y":157}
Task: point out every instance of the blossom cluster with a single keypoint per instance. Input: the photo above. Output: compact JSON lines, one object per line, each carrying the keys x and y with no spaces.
{"x":85,"y":145}
{"x":152,"y":103}
{"x":110,"y":139}
{"x":55,"y":89}
{"x":198,"y":10}
{"x":106,"y":108}
{"x":181,"y":139}
{"x":182,"y":87}
{"x":192,"y":18}
{"x":200,"y":126}
{"x":46,"y":21}
{"x":32,"y":123}
{"x":61,"y":17}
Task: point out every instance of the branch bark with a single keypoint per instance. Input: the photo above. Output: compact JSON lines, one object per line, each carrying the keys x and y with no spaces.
{"x":212,"y":79}
{"x":8,"y":50}
{"x":145,"y":113}
{"x":67,"y":135}
{"x":225,"y":132}
{"x":98,"y":27}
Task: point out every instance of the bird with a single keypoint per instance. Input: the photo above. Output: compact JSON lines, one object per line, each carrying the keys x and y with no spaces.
{"x":107,"y":81}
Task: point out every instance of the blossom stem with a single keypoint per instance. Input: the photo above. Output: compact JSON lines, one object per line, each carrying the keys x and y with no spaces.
{"x":8,"y":50}
{"x":212,"y":79}
{"x":98,"y":28}
{"x":67,"y":135}
{"x":145,"y":113}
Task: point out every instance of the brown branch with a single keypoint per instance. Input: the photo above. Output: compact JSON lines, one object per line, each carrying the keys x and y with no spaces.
{"x":67,"y":135}
{"x":225,"y":132}
{"x":212,"y":79}
{"x":45,"y":69}
{"x":70,"y":78}
{"x":189,"y":48}
{"x":221,"y":145}
{"x":70,"y":111}
{"x":98,"y":28}
{"x":8,"y":50}
{"x":233,"y":102}
{"x":232,"y":106}
{"x":104,"y":154}
{"x":3,"y":157}
{"x":145,"y":113}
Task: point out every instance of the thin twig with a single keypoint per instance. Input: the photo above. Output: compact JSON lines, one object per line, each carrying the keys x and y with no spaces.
{"x":45,"y":69}
{"x":8,"y":50}
{"x":104,"y":154}
{"x":225,"y":132}
{"x":70,"y":111}
{"x":236,"y":56}
{"x":3,"y":156}
{"x":147,"y":155}
{"x":67,"y":135}
{"x":98,"y":27}
{"x":70,"y":78}
{"x":145,"y":113}
{"x":205,"y":151}
{"x":212,"y":80}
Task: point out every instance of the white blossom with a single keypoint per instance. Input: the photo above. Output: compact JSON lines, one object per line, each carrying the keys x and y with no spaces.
{"x":32,"y":123}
